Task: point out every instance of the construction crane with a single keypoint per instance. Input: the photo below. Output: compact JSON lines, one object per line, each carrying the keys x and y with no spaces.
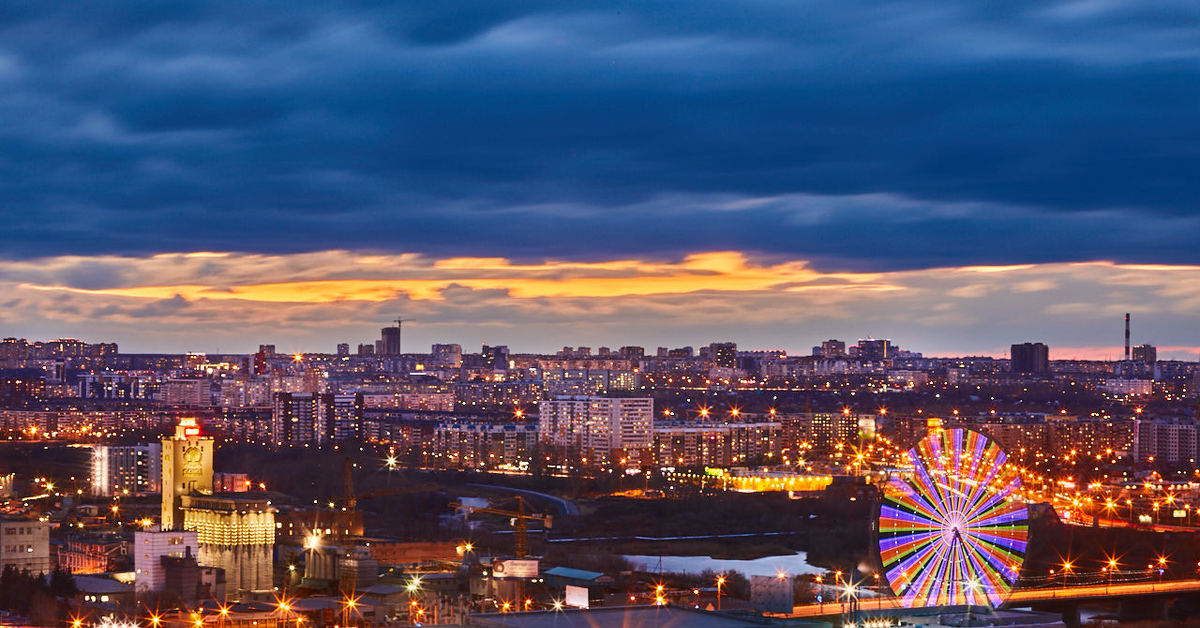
{"x":350,"y":497}
{"x":519,"y":517}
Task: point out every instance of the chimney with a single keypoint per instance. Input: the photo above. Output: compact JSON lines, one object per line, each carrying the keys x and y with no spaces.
{"x":1127,"y":336}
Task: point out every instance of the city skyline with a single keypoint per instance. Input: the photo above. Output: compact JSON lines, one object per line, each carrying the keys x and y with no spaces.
{"x":306,"y":303}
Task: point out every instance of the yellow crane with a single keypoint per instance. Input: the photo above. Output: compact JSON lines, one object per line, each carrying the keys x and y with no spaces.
{"x":519,"y":519}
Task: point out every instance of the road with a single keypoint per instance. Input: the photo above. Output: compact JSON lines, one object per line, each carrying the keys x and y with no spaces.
{"x":565,"y":508}
{"x":1024,"y":597}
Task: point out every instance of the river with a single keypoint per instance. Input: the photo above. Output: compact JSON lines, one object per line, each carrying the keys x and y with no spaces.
{"x":767,"y":566}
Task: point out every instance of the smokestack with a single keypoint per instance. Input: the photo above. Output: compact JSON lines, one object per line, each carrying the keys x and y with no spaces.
{"x":1126,"y":336}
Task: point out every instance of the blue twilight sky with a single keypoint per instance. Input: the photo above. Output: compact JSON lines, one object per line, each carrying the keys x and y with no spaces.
{"x":874,"y":144}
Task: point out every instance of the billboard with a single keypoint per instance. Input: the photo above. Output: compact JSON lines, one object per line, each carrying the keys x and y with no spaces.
{"x":514,"y":568}
{"x":577,"y":596}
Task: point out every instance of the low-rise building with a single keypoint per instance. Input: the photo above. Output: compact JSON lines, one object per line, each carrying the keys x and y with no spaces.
{"x":25,"y":545}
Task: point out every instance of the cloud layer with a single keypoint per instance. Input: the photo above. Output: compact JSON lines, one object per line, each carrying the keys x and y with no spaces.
{"x":540,"y":172}
{"x":306,"y":302}
{"x":854,"y":134}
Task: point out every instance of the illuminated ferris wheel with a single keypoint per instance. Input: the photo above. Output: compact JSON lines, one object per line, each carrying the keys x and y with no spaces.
{"x":955,"y":533}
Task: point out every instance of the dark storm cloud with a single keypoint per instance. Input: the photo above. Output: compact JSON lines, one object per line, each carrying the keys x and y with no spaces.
{"x":865,"y":135}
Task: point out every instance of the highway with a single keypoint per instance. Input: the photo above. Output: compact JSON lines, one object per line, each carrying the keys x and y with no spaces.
{"x":565,"y":508}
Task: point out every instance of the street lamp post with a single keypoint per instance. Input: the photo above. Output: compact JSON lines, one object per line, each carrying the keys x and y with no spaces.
{"x":720,"y":583}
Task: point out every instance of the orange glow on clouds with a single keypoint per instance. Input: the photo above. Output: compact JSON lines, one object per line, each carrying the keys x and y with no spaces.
{"x":719,"y":271}
{"x":763,"y":301}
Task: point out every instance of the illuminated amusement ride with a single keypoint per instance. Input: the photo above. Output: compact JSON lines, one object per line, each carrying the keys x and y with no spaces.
{"x":955,"y":533}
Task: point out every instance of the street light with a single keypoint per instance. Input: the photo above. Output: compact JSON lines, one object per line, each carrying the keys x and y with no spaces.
{"x":1111,"y":568}
{"x":720,"y":583}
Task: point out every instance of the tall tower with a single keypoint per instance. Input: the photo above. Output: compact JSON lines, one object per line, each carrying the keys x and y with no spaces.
{"x":187,"y":467}
{"x":1126,"y":336}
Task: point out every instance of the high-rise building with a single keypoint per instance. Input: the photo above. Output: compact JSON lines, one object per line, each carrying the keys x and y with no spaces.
{"x":446,"y":356}
{"x":1146,"y":354}
{"x":495,"y":358}
{"x":723,"y":354}
{"x":188,"y":392}
{"x":343,"y":348}
{"x":603,"y":429}
{"x":187,"y":467}
{"x":697,"y":444}
{"x":25,"y":545}
{"x":126,"y":469}
{"x":365,"y":350}
{"x":294,"y":418}
{"x":480,"y":445}
{"x":874,"y":349}
{"x":390,"y":337}
{"x":1166,"y":442}
{"x":632,"y":352}
{"x":108,"y":385}
{"x":301,"y":418}
{"x":343,"y":415}
{"x":1030,"y":358}
{"x":831,"y":348}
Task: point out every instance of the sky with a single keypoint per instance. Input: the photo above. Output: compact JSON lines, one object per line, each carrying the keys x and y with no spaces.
{"x":953,"y":175}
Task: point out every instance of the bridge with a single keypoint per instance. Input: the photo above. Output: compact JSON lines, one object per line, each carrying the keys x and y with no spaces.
{"x":1062,"y":597}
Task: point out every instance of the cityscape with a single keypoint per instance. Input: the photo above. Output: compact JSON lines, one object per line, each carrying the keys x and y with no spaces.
{"x":524,"y":314}
{"x":373,"y":485}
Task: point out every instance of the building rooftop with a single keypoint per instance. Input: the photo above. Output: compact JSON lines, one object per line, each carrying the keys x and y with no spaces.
{"x":574,"y":574}
{"x":100,"y":584}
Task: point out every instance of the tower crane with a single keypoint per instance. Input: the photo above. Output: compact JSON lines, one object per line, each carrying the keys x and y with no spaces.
{"x":350,"y":497}
{"x":519,"y":519}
